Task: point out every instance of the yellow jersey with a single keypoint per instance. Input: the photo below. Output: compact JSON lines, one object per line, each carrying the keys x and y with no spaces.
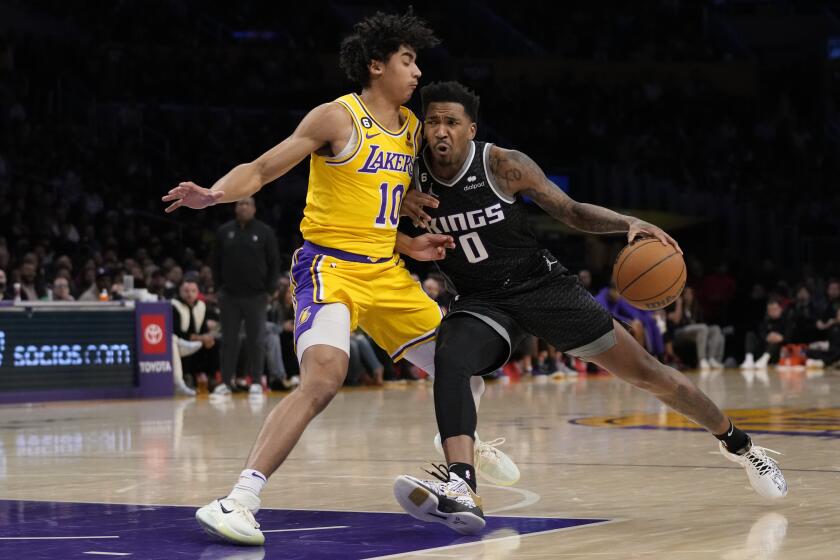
{"x":353,"y":199}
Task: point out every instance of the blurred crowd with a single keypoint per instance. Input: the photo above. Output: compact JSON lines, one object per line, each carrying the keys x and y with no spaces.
{"x":101,"y":113}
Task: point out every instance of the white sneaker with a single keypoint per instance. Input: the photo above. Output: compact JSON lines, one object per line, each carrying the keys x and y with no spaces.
{"x":221,"y":389}
{"x":762,"y":362}
{"x":704,"y":365}
{"x":563,"y":371}
{"x":764,"y":473}
{"x":491,"y":464}
{"x":814,"y":364}
{"x":231,"y":521}
{"x":715,"y":364}
{"x":181,"y":388}
{"x":450,"y":502}
{"x":748,"y":362}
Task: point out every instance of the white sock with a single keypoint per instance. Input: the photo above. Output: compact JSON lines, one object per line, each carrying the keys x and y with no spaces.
{"x":248,"y":488}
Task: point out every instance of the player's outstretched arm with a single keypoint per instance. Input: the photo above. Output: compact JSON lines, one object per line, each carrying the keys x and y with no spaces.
{"x":323,"y":126}
{"x":514,"y":172}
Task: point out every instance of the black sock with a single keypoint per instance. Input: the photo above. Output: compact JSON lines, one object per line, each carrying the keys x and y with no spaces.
{"x":736,"y":441}
{"x":466,"y":472}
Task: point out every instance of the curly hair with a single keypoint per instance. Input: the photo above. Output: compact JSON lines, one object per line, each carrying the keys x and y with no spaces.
{"x":450,"y":92}
{"x":377,"y":38}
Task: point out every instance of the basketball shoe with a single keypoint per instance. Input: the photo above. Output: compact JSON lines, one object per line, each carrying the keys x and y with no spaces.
{"x":448,"y":500}
{"x":764,"y":473}
{"x":230,"y":520}
{"x":492,"y":464}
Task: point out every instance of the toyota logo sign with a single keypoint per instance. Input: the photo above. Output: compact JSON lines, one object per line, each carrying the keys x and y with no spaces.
{"x":153,"y":334}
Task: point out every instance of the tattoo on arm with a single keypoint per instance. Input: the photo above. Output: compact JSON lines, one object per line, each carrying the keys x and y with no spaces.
{"x":514,"y":172}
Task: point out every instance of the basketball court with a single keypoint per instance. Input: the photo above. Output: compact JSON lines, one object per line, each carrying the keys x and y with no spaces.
{"x":607,"y":473}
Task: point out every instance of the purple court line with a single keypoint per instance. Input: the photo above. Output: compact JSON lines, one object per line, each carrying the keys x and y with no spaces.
{"x":167,"y":532}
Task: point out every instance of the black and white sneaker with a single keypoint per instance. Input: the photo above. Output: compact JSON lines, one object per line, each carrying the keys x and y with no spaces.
{"x":763,"y":472}
{"x":448,"y":500}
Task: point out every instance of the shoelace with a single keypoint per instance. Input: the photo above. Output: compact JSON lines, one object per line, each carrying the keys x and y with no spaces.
{"x":239,"y":508}
{"x":761,"y":462}
{"x":459,"y":491}
{"x":442,"y":473}
{"x":489,"y":447}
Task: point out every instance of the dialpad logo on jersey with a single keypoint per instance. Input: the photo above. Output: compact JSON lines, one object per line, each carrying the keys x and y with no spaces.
{"x":465,"y":221}
{"x":152,"y":327}
{"x":816,"y":422}
{"x":389,"y":161}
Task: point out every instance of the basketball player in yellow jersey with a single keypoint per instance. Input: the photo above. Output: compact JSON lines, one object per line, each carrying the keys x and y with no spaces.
{"x":362,"y":151}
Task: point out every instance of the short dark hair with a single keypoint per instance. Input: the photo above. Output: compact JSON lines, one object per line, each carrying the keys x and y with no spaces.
{"x":378,"y":37}
{"x":450,"y":92}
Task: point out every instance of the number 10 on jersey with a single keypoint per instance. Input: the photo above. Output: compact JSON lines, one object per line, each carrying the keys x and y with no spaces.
{"x":389,"y":214}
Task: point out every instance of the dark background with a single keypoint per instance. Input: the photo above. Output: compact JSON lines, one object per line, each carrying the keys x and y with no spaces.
{"x":717,"y":120}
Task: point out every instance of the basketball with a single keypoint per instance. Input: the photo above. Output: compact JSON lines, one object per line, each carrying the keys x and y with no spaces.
{"x":649,"y":275}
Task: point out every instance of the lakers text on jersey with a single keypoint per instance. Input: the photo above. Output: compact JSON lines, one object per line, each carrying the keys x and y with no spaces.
{"x":354,"y":198}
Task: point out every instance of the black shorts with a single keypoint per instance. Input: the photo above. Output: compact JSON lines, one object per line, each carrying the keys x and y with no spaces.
{"x":551,"y":305}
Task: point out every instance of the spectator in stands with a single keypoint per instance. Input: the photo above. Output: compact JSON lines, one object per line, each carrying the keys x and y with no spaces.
{"x":174,"y":277}
{"x":773,"y":332}
{"x":192,"y":321}
{"x":246,"y":269}
{"x":275,"y":365}
{"x":435,"y":287}
{"x":642,"y":323}
{"x":102,"y":283}
{"x":717,"y":292}
{"x":805,"y":316}
{"x":30,"y":288}
{"x":282,"y":313}
{"x":156,"y":283}
{"x":61,"y":289}
{"x":832,"y":306}
{"x":3,"y":285}
{"x":685,"y":322}
{"x":364,"y":367}
{"x":818,"y":358}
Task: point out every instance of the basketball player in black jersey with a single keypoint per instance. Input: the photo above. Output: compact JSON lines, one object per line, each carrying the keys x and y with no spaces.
{"x":507,"y":286}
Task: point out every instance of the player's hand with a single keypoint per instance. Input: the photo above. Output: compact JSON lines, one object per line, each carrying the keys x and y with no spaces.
{"x":413,"y":206}
{"x":640,"y":228}
{"x":192,"y":196}
{"x":431,"y":246}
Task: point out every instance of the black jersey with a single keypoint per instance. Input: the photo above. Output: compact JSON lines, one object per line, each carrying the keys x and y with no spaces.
{"x":494,"y":244}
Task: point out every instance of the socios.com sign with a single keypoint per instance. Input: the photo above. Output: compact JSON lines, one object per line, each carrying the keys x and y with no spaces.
{"x":55,"y":355}
{"x":47,"y":349}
